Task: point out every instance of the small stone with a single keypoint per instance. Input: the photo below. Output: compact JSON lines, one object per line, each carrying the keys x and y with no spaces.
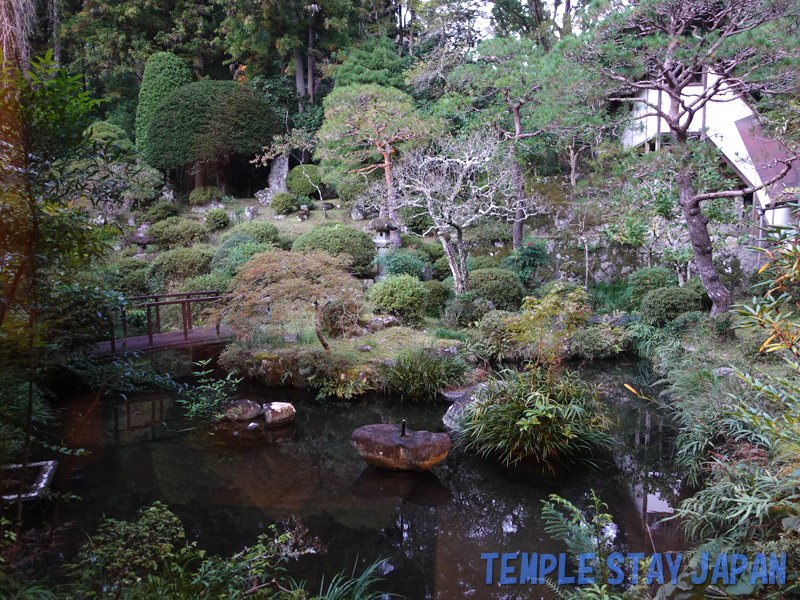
{"x":250,"y":213}
{"x":379,"y":323}
{"x":279,"y":413}
{"x":253,"y":426}
{"x":724,"y":371}
{"x":279,"y":217}
{"x":443,"y":352}
{"x":365,"y":348}
{"x":243,"y":410}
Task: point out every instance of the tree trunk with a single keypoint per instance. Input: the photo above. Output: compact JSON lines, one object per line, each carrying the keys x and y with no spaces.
{"x":519,"y":190}
{"x":311,"y":63}
{"x":318,"y":325}
{"x":573,"y":166}
{"x":460,"y":278}
{"x":400,"y":28}
{"x":198,"y":175}
{"x":391,"y":199}
{"x":697,"y":224}
{"x":299,"y":80}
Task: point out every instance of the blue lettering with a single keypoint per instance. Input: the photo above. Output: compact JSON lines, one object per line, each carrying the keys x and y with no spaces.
{"x":720,"y":569}
{"x":611,"y":562}
{"x":584,"y":569}
{"x":489,"y":558}
{"x":562,"y":566}
{"x":701,"y":578}
{"x":656,"y":570}
{"x":635,"y":557}
{"x":759,"y":569}
{"x":737,"y":569}
{"x":527,"y":569}
{"x":674,"y":568}
{"x":777,"y":570}
{"x":544,"y":568}
{"x":506,"y":569}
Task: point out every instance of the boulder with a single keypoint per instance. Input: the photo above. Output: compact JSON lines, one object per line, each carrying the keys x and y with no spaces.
{"x":204,"y":208}
{"x":450,"y":352}
{"x":243,"y":410}
{"x":264,"y":196}
{"x":279,"y":413}
{"x":365,"y":348}
{"x":278,"y":170}
{"x":724,"y":371}
{"x":250,"y":213}
{"x":327,"y":206}
{"x":383,"y":446}
{"x":379,"y":323}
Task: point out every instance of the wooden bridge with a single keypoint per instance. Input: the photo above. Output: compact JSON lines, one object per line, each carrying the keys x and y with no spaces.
{"x":155,"y":340}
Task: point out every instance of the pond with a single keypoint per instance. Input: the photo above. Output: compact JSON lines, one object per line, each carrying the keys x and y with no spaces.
{"x":431,"y":528}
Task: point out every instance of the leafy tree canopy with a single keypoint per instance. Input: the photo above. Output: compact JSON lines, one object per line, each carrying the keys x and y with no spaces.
{"x":374,"y":61}
{"x":163,"y":74}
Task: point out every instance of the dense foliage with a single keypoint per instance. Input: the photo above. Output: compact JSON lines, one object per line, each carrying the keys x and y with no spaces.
{"x":400,"y":295}
{"x":164,"y":73}
{"x":499,"y":286}
{"x":305,"y":180}
{"x":338,"y":240}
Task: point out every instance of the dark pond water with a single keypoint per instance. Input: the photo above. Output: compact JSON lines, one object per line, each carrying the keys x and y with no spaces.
{"x":430,"y":528}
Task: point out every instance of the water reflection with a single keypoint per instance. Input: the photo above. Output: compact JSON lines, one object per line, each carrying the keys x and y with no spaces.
{"x":431,"y":527}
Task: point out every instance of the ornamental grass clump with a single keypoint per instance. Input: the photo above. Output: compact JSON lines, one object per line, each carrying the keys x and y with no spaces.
{"x":533,"y":414}
{"x":420,"y":375}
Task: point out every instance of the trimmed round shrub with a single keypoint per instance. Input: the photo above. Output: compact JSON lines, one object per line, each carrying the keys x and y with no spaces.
{"x":562,"y":288}
{"x":283,"y":203}
{"x":264,"y":233}
{"x":348,"y":190}
{"x":696,"y":285}
{"x":644,"y":280}
{"x":437,"y":294}
{"x":499,"y":286}
{"x":217,"y":219}
{"x":176,"y":232}
{"x":178,"y":265}
{"x":217,"y":280}
{"x":126,"y":266}
{"x":662,"y":305}
{"x":208,"y":122}
{"x":204,"y":195}
{"x":305,"y":180}
{"x":228,"y":257}
{"x":162,"y":210}
{"x":163,"y":74}
{"x":441,"y":268}
{"x":495,"y":336}
{"x":130,"y":276}
{"x":340,"y":239}
{"x":402,"y":261}
{"x":481,"y":262}
{"x":107,"y":134}
{"x":400,"y":295}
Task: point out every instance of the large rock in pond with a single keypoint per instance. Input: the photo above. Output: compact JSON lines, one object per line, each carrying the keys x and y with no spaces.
{"x":243,"y":410}
{"x":383,"y":446}
{"x":278,"y":413}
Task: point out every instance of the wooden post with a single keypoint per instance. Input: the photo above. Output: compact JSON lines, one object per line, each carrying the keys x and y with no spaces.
{"x":113,"y":342}
{"x":124,"y":319}
{"x":185,"y":328}
{"x":149,"y":326}
{"x":158,"y":315}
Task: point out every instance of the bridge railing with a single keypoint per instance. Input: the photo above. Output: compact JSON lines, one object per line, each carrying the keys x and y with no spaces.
{"x":153,"y":304}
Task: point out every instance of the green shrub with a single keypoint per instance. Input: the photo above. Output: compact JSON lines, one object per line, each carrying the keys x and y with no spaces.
{"x":562,"y":288}
{"x":492,"y":231}
{"x":217,"y":280}
{"x":533,"y":414}
{"x":126,"y":266}
{"x":178,"y":265}
{"x":481,"y":262}
{"x":263,"y":233}
{"x":499,"y":286}
{"x":162,"y":210}
{"x":436,"y":295}
{"x":217,"y":219}
{"x":421,"y":376}
{"x":644,"y":280}
{"x":284,"y":203}
{"x":403,"y":262}
{"x":434,"y":250}
{"x":400,"y":295}
{"x":347,"y":190}
{"x":609,"y":297}
{"x":441,"y":268}
{"x":340,"y":239}
{"x":176,"y":232}
{"x":307,"y":202}
{"x":696,"y":285}
{"x":464,"y":310}
{"x":135,"y":283}
{"x":205,"y":194}
{"x":598,"y":341}
{"x":662,"y":305}
{"x":419,"y":223}
{"x":496,"y":337}
{"x":526,"y":260}
{"x":235,"y":251}
{"x":305,"y":180}
{"x":163,"y":73}
{"x":286,"y":241}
